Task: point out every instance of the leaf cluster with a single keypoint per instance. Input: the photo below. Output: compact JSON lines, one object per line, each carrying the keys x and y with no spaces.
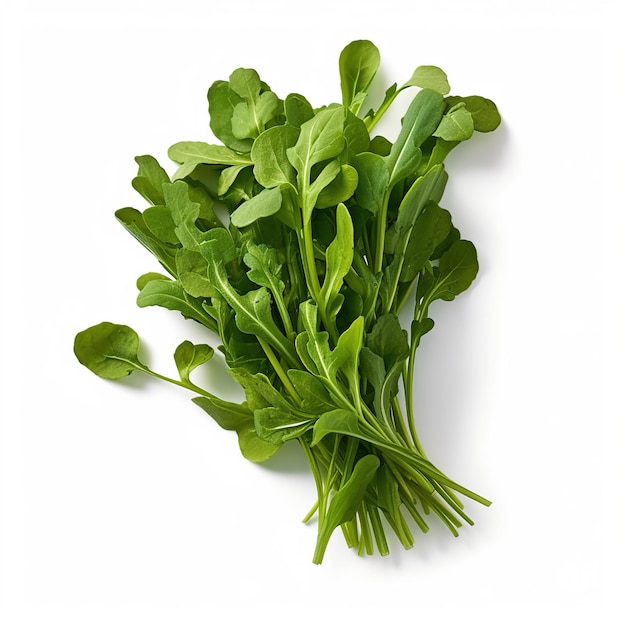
{"x":296,"y":241}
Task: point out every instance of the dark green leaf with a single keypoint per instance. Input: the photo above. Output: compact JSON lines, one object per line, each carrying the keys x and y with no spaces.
{"x":457,"y":269}
{"x":419,"y":123}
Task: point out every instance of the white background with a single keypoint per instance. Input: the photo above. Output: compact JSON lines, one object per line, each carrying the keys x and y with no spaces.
{"x":125,"y":504}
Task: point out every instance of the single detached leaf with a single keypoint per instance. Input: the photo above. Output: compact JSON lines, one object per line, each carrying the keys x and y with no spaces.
{"x":358,"y":64}
{"x":188,"y":356}
{"x":109,"y":350}
{"x":429,"y":77}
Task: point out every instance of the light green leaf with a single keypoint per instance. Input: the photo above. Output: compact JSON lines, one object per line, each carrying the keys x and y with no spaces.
{"x":150,"y":178}
{"x":429,"y":77}
{"x":269,"y":153}
{"x":109,"y":350}
{"x":339,"y":257}
{"x":159,"y":221}
{"x":264,"y":204}
{"x":188,"y":356}
{"x":484,"y":112}
{"x":200,"y":152}
{"x":373,"y":181}
{"x":456,"y":125}
{"x":340,"y":189}
{"x":358,"y":64}
{"x":222,"y":102}
{"x":297,"y":110}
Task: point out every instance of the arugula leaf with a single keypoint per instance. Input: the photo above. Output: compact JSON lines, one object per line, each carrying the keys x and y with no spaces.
{"x":358,"y":64}
{"x":109,"y":350}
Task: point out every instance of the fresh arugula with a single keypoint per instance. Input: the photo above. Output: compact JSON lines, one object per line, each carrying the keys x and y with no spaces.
{"x":297,"y":241}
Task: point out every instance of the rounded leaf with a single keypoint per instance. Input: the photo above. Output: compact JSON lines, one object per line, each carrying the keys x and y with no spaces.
{"x":108,"y":350}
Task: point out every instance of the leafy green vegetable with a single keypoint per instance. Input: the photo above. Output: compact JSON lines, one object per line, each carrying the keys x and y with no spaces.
{"x":297,"y":240}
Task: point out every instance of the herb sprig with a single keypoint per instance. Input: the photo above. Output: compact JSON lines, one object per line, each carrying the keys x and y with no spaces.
{"x":297,"y":241}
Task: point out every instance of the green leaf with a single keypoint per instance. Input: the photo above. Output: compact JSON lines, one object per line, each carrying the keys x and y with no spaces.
{"x":159,"y":221}
{"x":227,"y":178}
{"x":109,"y":350}
{"x":144,"y":279}
{"x":277,"y":426}
{"x":133,"y":222}
{"x":339,"y":257}
{"x":297,"y":110}
{"x":358,"y":64}
{"x":200,"y":152}
{"x":340,"y":189}
{"x":373,"y":181}
{"x":346,"y":502}
{"x":150,"y":178}
{"x":236,"y":417}
{"x":269,"y":153}
{"x":388,"y":340}
{"x":457,"y":269}
{"x":314,"y":394}
{"x":484,"y":112}
{"x":431,"y":228}
{"x":456,"y":125}
{"x":258,"y":108}
{"x":222,"y":102}
{"x":429,"y":77}
{"x":340,"y":422}
{"x":265,"y":268}
{"x":419,"y":123}
{"x":170,"y":294}
{"x":320,"y":139}
{"x":264,"y":204}
{"x":188,"y":356}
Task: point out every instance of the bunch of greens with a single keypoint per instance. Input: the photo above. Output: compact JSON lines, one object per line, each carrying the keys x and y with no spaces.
{"x":296,"y":242}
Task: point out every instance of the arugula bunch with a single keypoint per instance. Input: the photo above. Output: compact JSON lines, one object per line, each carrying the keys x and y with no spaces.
{"x":297,"y":241}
